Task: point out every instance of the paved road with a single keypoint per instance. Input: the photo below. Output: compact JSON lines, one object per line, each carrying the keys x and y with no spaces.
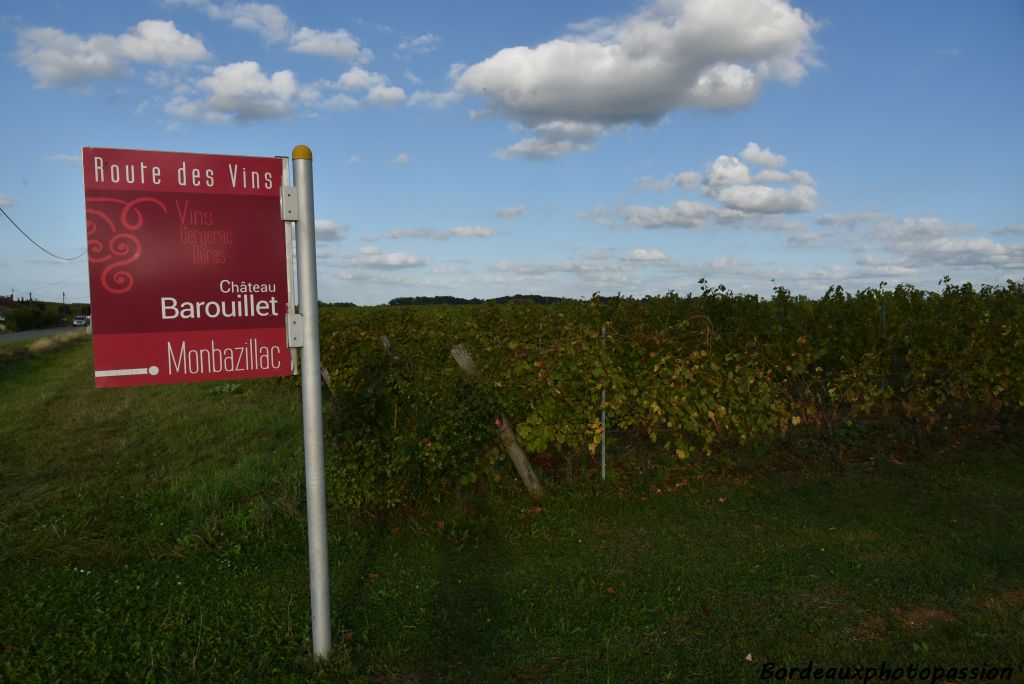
{"x":33,"y":334}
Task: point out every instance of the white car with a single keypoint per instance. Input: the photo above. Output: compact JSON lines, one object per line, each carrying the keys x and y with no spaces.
{"x":79,"y":321}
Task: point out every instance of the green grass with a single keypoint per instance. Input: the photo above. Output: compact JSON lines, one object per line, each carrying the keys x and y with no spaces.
{"x":159,"y":534}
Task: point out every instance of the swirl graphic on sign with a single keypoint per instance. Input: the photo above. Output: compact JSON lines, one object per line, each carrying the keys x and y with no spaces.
{"x":111,"y":241}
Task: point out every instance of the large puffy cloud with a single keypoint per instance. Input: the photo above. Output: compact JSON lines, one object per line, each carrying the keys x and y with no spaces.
{"x":740,"y":196}
{"x":711,"y":54}
{"x":378,"y":91}
{"x":241,"y":92}
{"x":729,"y":181}
{"x":56,"y":58}
{"x":754,"y":154}
{"x":762,"y":199}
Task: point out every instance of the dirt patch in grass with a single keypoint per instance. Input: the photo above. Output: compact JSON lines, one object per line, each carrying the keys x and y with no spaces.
{"x":922,"y":618}
{"x":870,"y":629}
{"x":539,"y":670}
{"x":1004,"y":601}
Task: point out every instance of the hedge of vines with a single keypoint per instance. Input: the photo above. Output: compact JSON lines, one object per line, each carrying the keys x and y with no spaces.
{"x":694,"y":377}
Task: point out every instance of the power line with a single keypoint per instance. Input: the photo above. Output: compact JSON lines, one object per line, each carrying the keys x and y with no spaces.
{"x":36,"y":288}
{"x":55,"y":256}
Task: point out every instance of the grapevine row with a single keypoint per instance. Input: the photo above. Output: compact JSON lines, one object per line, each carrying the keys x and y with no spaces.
{"x":695,"y":377}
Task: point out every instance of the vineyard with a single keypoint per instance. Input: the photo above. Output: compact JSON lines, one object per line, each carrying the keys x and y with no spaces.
{"x":711,"y":378}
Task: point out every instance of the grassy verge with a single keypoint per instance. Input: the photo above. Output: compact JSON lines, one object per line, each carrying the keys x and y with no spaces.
{"x":158,"y":533}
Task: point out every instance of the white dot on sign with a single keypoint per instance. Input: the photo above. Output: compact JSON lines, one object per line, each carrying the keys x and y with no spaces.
{"x":153,"y":370}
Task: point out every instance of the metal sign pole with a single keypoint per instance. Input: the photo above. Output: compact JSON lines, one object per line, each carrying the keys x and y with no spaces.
{"x":312,"y":414}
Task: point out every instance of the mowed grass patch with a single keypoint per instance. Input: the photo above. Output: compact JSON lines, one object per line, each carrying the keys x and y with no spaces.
{"x":903,"y":565}
{"x":135,"y":470}
{"x":159,"y":533}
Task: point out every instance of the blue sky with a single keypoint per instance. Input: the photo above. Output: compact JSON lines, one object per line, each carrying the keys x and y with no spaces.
{"x":482,"y":149}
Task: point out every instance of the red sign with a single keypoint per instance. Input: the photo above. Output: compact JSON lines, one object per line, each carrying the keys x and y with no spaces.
{"x":187,"y":269}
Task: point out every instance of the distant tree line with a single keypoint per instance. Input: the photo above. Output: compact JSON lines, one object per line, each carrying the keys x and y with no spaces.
{"x":33,"y":314}
{"x":446,"y":299}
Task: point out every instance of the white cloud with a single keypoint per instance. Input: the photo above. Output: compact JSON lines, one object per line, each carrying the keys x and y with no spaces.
{"x":265,"y":19}
{"x":668,"y":55}
{"x":330,"y":231}
{"x":651,"y":183}
{"x":420,"y":45}
{"x":762,"y":199}
{"x":539,"y":148}
{"x":912,"y":230}
{"x":378,"y":92}
{"x":729,"y":182}
{"x":6,"y":201}
{"x":725,"y":171}
{"x":883,"y":268}
{"x":56,"y":58}
{"x":339,"y":43}
{"x":352,"y":160}
{"x":385,"y":95}
{"x":401,"y":159}
{"x":849,"y":220}
{"x":433,"y":234}
{"x":580,"y":267}
{"x":783,"y":177}
{"x":511,"y":212}
{"x":434,"y":100}
{"x":689,"y":180}
{"x":358,"y":78}
{"x":804,"y":239}
{"x":645,"y":255}
{"x":959,"y":253}
{"x":554,"y":138}
{"x":69,"y":159}
{"x":472,"y":231}
{"x":682,"y":214}
{"x":743,"y":198}
{"x":341,"y":101}
{"x":389,"y":260}
{"x":754,"y":154}
{"x":241,"y":92}
{"x":428,"y":233}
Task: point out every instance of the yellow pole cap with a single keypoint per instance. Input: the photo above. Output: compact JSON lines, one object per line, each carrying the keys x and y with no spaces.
{"x":302,"y":152}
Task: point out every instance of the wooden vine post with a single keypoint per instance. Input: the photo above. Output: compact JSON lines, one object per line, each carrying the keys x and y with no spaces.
{"x":508,"y":436}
